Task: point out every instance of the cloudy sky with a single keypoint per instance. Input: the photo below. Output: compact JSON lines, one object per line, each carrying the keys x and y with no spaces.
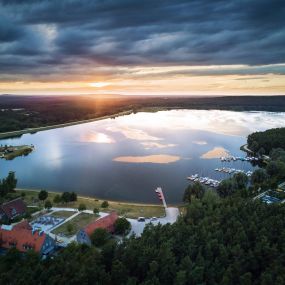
{"x":142,"y":47}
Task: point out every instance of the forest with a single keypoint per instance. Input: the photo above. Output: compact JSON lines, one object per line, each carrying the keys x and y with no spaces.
{"x":264,"y":142}
{"x":218,"y":241}
{"x":21,"y":112}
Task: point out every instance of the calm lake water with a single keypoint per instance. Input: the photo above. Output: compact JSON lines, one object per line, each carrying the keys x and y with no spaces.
{"x":128,"y":157}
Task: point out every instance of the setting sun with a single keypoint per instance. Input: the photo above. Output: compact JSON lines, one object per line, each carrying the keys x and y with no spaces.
{"x":98,"y":84}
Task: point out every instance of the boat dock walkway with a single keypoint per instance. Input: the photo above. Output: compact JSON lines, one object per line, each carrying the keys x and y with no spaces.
{"x":204,"y":180}
{"x":233,"y":171}
{"x":239,"y":158}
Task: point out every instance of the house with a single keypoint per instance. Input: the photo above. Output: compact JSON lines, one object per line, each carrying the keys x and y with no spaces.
{"x":107,"y":223}
{"x":12,"y":209}
{"x":24,"y":238}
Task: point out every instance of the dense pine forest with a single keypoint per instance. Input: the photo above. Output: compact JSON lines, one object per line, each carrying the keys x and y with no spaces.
{"x":265,"y":141}
{"x":219,"y":241}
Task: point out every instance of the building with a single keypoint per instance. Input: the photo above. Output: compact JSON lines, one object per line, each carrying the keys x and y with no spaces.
{"x":107,"y":223}
{"x":12,"y":209}
{"x":24,"y":238}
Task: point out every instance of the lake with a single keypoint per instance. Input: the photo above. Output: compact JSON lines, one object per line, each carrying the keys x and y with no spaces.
{"x":126,"y":158}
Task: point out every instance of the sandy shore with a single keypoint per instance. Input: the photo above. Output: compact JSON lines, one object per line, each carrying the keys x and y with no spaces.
{"x":95,"y":198}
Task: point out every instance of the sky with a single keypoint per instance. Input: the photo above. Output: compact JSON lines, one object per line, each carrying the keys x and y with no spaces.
{"x":149,"y":47}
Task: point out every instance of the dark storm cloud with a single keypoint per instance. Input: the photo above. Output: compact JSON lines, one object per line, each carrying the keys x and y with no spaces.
{"x":54,"y":36}
{"x":9,"y":32}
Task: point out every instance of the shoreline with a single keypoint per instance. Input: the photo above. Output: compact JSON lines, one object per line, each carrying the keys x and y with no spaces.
{"x":45,"y":128}
{"x":99,"y":199}
{"x":123,"y":208}
{"x":244,"y":148}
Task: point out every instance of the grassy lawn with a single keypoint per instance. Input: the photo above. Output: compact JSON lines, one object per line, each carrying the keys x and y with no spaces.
{"x":128,"y":210}
{"x":62,"y":214}
{"x":31,"y":210}
{"x":76,"y":223}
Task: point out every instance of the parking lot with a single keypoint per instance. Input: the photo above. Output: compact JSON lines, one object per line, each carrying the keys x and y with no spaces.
{"x":170,"y":217}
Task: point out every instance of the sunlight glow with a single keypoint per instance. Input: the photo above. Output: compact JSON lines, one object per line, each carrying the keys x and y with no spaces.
{"x":97,"y":138}
{"x":99,"y":84}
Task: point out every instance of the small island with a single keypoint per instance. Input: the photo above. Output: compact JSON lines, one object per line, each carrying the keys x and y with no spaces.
{"x":10,"y":152}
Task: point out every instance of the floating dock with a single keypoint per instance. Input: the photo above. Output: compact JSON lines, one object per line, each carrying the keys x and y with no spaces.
{"x":204,"y":180}
{"x":239,"y":158}
{"x":233,"y":171}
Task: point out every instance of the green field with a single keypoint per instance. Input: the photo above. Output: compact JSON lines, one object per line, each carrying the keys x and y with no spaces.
{"x":62,"y":214}
{"x":71,"y":227}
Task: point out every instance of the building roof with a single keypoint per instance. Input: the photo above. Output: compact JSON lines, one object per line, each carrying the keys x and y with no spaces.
{"x":106,"y":222}
{"x":22,"y":237}
{"x":23,"y":225}
{"x":13,"y":208}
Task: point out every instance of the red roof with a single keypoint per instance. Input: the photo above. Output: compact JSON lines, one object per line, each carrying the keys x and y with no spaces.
{"x":106,"y":222}
{"x":22,"y":238}
{"x":13,"y":208}
{"x":23,"y":225}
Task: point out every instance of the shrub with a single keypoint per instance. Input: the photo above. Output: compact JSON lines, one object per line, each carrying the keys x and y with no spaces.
{"x":69,"y":228}
{"x":48,"y":204}
{"x":99,"y":237}
{"x":43,"y":195}
{"x":57,"y":199}
{"x":105,"y":204}
{"x":122,"y":226}
{"x":81,"y":207}
{"x":73,"y":197}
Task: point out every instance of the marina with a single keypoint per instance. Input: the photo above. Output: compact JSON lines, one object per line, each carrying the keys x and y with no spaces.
{"x":239,"y":158}
{"x":214,"y":183}
{"x":204,"y":180}
{"x":233,"y":171}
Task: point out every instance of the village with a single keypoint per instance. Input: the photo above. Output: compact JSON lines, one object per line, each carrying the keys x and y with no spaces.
{"x":48,"y":230}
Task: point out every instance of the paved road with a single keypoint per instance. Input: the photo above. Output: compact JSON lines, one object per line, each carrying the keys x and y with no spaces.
{"x":171,"y":217}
